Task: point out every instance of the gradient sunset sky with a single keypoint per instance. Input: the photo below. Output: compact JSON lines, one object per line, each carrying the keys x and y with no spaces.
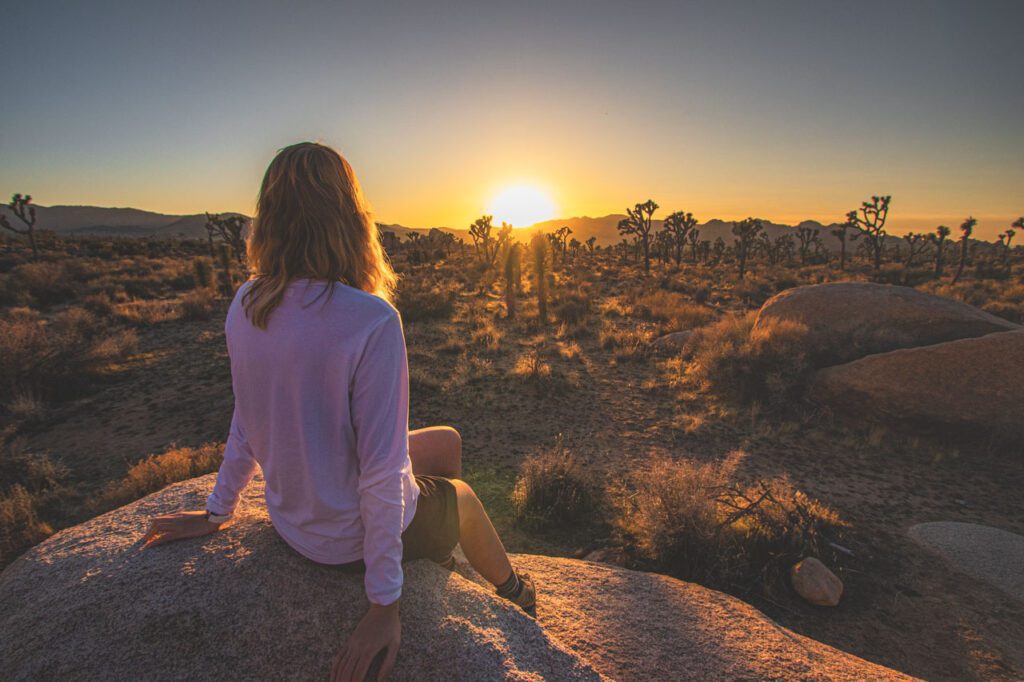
{"x":782,"y":110}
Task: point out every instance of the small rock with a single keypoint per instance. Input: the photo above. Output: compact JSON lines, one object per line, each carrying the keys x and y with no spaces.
{"x":673,"y":341}
{"x":813,"y":581}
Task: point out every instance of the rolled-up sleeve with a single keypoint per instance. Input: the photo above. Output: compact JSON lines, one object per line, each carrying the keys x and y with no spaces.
{"x":380,"y":418}
{"x":236,"y":470}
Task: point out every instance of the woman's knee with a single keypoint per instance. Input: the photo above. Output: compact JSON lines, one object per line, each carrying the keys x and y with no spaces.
{"x":451,"y":437}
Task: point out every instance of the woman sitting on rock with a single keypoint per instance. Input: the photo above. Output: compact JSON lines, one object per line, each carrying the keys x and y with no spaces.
{"x":320,"y":377}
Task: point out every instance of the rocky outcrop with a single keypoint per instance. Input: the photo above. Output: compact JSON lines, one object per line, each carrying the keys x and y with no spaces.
{"x":849,"y":320}
{"x":992,"y":555}
{"x":974,"y":383}
{"x":240,"y":604}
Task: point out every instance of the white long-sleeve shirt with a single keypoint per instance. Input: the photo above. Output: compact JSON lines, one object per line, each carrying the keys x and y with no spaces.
{"x":322,"y":405}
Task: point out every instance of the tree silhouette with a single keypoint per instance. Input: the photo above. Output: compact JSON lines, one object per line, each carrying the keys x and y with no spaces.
{"x":806,"y":236}
{"x":842,"y":233}
{"x":939,"y":240}
{"x":638,"y":223}
{"x":590,"y":244}
{"x":871,"y":224}
{"x":693,"y":237}
{"x":1004,"y":240}
{"x":916,"y":245}
{"x":746,"y":232}
{"x":966,"y":228}
{"x":678,"y":226}
{"x":480,"y":231}
{"x":231,"y":230}
{"x":21,"y":206}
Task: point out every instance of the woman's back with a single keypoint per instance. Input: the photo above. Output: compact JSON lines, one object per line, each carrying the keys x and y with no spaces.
{"x":321,"y":403}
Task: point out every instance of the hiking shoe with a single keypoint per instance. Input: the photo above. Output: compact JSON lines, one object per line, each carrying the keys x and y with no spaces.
{"x":527,"y":597}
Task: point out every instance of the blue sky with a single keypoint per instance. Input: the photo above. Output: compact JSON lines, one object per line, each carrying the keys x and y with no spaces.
{"x":783,"y":110}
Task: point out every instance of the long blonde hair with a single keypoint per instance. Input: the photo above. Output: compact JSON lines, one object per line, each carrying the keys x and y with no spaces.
{"x":312,"y":222}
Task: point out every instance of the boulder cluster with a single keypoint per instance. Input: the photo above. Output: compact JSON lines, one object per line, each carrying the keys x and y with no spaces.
{"x":900,"y":355}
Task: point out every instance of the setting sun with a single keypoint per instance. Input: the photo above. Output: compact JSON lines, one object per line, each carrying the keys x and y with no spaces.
{"x":521,"y":206}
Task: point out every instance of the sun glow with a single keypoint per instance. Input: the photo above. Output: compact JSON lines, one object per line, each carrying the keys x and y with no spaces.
{"x":521,"y":206}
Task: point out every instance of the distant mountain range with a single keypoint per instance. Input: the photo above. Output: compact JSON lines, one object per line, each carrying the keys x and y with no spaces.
{"x":133,"y":222}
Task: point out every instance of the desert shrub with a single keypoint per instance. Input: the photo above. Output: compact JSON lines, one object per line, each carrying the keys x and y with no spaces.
{"x":571,"y":307}
{"x":416,"y":304}
{"x":754,"y":290}
{"x":692,"y":520}
{"x":145,"y":313}
{"x":198,"y":305}
{"x":46,"y":282}
{"x":626,"y":343}
{"x":100,"y":304}
{"x":672,"y":308}
{"x":1014,"y":312}
{"x":533,"y":368}
{"x":29,"y":483}
{"x":156,"y":472}
{"x":202,"y":272}
{"x":552,"y":487}
{"x":484,"y":333}
{"x":54,"y":359}
{"x":20,"y":525}
{"x":769,"y":365}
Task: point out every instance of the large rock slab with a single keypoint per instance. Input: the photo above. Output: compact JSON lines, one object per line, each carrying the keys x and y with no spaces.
{"x":848,"y":320}
{"x":240,"y":604}
{"x":975,"y":384}
{"x":989,"y":554}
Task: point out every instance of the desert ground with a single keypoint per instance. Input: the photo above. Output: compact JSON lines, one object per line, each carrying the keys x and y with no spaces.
{"x":117,"y":382}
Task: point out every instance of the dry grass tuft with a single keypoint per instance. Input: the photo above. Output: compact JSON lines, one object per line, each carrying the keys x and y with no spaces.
{"x":735,"y":362}
{"x":553,"y":487}
{"x":158,"y":471}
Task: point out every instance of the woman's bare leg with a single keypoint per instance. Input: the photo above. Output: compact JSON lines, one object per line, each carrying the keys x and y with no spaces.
{"x":436,"y":451}
{"x":479,"y":540}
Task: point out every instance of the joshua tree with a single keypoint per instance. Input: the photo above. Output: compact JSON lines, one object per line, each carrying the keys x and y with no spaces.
{"x":1004,"y":240}
{"x":539,"y":249}
{"x":871,"y":223}
{"x":678,"y":226}
{"x":638,"y":222}
{"x":231,"y":230}
{"x":842,"y":233}
{"x":807,"y":236}
{"x":693,"y":238}
{"x":21,"y":206}
{"x":590,"y":244}
{"x":480,"y":231}
{"x":939,"y":240}
{"x":561,"y":236}
{"x":716,"y":251}
{"x":966,"y":228}
{"x":512,"y":274}
{"x":916,"y":245}
{"x":746,"y":232}
{"x":574,"y":247}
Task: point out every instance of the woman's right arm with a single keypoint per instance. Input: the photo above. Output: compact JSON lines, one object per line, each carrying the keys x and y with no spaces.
{"x":236,"y":470}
